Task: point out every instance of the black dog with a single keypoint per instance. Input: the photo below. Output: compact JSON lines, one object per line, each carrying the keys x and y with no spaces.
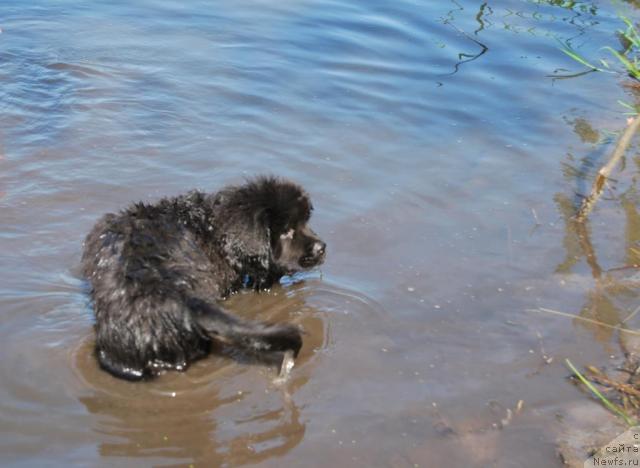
{"x":157,"y":272}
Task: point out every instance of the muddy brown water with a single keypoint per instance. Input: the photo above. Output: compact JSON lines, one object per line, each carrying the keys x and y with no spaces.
{"x":443,"y":162}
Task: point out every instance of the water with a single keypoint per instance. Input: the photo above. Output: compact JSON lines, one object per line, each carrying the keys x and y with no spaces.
{"x":442,"y":159}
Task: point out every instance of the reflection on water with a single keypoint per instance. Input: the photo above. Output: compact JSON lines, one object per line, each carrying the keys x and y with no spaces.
{"x":444,"y":164}
{"x":185,"y":418}
{"x":611,"y":300}
{"x":181,"y":425}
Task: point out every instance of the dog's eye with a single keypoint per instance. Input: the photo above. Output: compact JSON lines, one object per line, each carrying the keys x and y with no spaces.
{"x":288,"y":235}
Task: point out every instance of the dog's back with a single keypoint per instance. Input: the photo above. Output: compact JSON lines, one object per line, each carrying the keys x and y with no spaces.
{"x":141,"y":265}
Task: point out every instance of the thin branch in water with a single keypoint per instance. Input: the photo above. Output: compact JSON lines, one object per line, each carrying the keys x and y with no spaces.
{"x":585,"y":319}
{"x":573,"y":75}
{"x":535,"y":216}
{"x":631,"y":315}
{"x":606,"y":170}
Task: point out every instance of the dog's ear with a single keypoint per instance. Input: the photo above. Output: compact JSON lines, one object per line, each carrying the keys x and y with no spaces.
{"x":246,"y":239}
{"x":289,"y":208}
{"x":252,"y":216}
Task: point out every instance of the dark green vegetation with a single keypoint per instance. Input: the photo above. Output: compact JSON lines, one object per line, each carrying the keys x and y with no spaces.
{"x":628,"y":58}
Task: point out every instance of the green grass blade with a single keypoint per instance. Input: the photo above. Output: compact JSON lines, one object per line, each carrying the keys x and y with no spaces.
{"x":577,"y":58}
{"x":631,"y":33}
{"x":627,"y":21}
{"x":632,"y":36}
{"x":597,"y":393}
{"x":625,"y":61}
{"x":627,"y":105}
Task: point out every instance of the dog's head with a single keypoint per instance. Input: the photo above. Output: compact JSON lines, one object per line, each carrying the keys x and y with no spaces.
{"x":266,"y":223}
{"x":294,"y":245}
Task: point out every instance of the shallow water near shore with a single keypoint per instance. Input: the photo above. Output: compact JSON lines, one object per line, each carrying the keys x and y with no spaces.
{"x":443,"y":161}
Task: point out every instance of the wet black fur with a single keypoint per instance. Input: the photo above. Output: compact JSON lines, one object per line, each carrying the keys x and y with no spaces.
{"x":158,"y":271}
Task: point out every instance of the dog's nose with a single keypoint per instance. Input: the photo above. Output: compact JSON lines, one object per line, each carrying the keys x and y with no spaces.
{"x":318,"y":248}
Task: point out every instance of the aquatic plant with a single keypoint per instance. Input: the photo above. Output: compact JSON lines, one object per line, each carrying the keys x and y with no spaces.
{"x":608,"y":404}
{"x":629,"y":57}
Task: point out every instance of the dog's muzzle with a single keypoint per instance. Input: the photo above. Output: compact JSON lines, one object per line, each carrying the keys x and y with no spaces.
{"x":316,"y":256}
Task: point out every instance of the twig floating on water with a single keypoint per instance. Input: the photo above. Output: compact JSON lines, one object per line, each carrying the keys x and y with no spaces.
{"x":605,"y":171}
{"x":585,"y":319}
